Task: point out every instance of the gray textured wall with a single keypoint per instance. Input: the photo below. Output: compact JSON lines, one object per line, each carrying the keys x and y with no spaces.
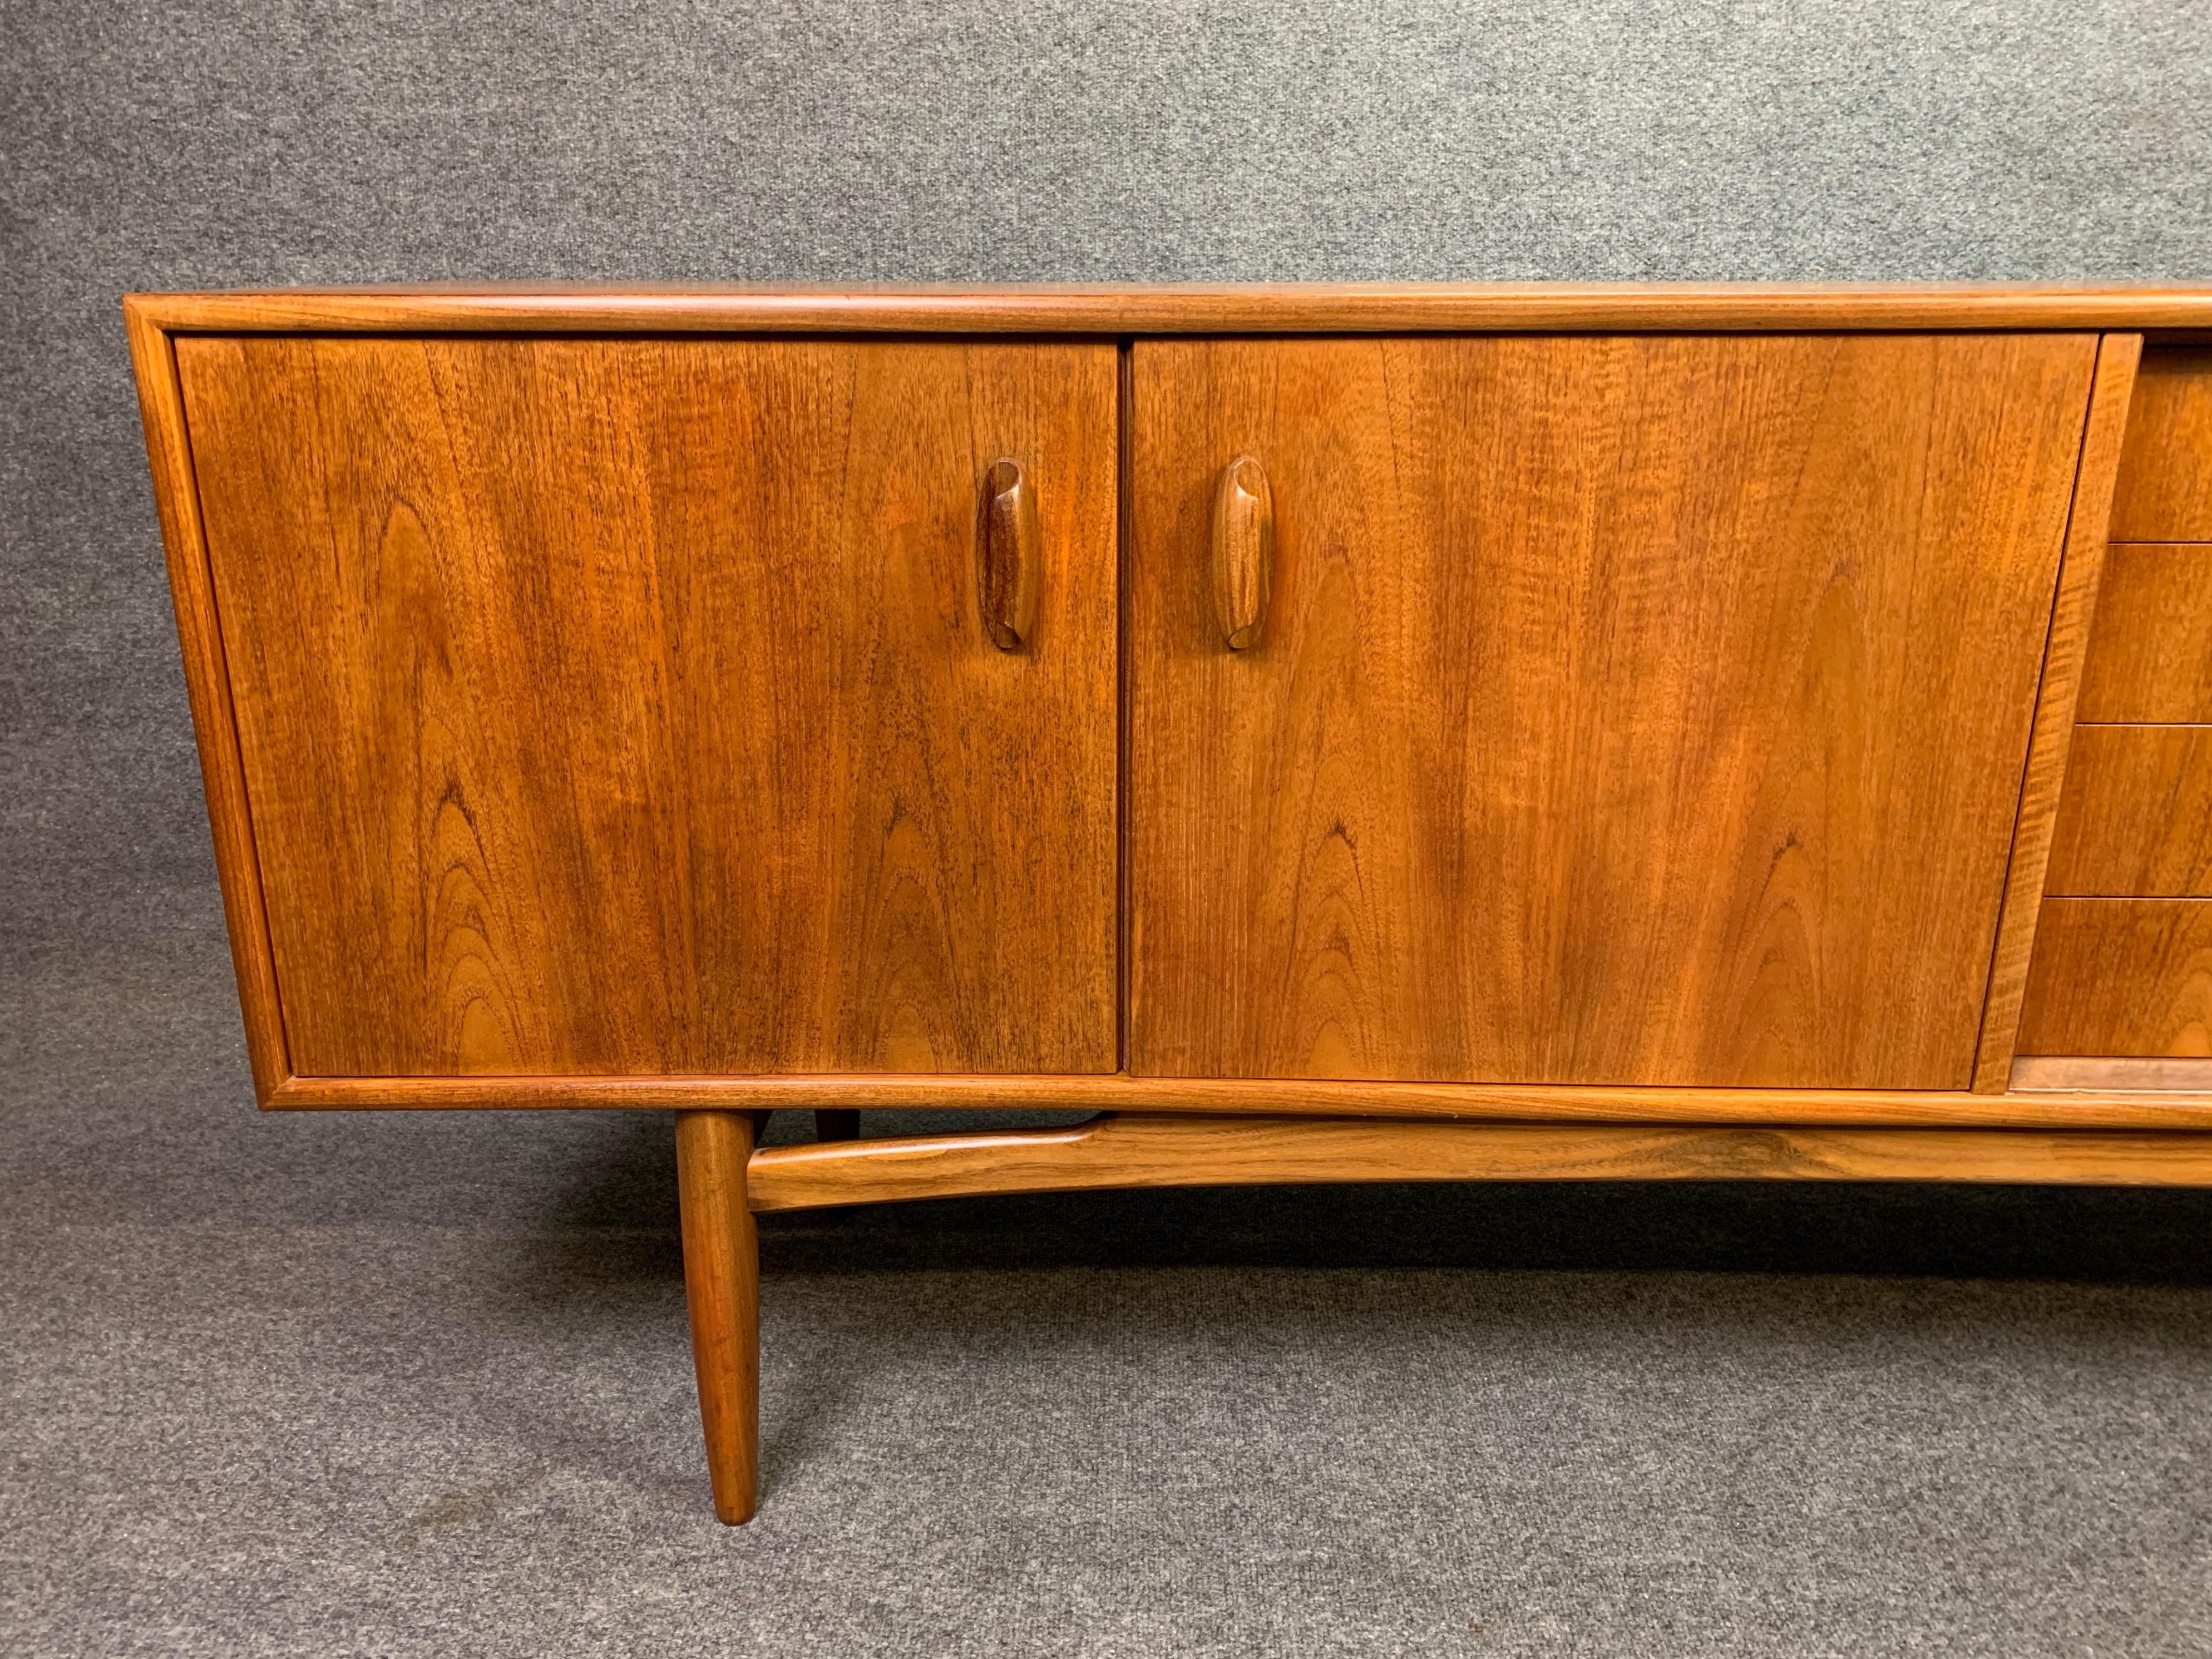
{"x":217,"y":144}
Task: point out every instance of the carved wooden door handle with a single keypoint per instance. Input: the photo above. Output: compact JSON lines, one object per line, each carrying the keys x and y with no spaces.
{"x":1243,"y":551}
{"x":1011,"y":557}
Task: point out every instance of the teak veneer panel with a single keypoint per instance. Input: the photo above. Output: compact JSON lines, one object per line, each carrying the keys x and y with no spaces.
{"x":2120,"y":976}
{"x":1607,"y":724}
{"x":2136,"y":817}
{"x":2103,"y":1074}
{"x":2150,"y":654}
{"x":2165,"y":472}
{"x":623,"y":706}
{"x":1141,"y":1151}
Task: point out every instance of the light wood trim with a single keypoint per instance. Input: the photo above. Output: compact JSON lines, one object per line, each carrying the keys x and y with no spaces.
{"x":721,"y":1285}
{"x":2125,"y":977}
{"x":2080,"y":573}
{"x":207,"y":685}
{"x":1274,"y":1096}
{"x":1164,"y":1152}
{"x":1259,"y":308}
{"x":2102,"y":1073}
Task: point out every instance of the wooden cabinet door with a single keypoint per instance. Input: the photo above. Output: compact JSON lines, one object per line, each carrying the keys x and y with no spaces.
{"x":1644,"y":710}
{"x":623,"y":706}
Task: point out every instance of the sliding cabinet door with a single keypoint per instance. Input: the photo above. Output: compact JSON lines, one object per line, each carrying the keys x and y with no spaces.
{"x":1644,"y":710}
{"x":629,"y":707}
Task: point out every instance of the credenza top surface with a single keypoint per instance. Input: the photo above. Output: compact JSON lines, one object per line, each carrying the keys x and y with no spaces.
{"x":1117,"y":309}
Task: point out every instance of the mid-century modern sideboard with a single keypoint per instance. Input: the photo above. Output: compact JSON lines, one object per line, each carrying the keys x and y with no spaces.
{"x":1334,"y":733}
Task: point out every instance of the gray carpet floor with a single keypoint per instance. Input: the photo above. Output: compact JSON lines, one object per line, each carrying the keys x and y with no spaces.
{"x":398,"y":1384}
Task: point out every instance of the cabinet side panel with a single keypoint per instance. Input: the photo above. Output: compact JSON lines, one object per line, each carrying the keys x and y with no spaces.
{"x":207,"y":684}
{"x":1629,"y":711}
{"x":2073,"y":616}
{"x":623,"y":707}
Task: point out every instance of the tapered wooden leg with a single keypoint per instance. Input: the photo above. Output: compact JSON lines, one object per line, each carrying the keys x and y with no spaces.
{"x":836,"y":1125}
{"x":721,"y":1281}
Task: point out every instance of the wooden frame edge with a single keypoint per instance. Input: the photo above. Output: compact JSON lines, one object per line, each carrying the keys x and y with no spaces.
{"x":207,"y":687}
{"x":1493,"y":1102}
{"x":1142,"y":1150}
{"x":1254,"y":308}
{"x":2051,"y":738}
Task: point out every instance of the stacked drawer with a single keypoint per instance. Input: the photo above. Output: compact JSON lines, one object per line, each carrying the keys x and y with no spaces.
{"x":2122,"y":962}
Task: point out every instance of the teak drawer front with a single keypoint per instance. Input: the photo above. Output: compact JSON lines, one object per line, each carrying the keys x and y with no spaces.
{"x":1640,"y":710}
{"x":2136,"y":820}
{"x":2164,"y":492}
{"x":2150,"y":651}
{"x":622,"y":705}
{"x":2120,"y":976}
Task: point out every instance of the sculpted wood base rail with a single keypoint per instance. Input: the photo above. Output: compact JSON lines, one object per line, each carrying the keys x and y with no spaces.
{"x":1369,"y":733}
{"x":1117,"y":1150}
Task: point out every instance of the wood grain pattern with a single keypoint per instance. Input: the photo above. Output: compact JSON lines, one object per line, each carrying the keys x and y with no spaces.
{"x":1243,"y":307}
{"x":1547,"y":1103}
{"x":2120,"y":976}
{"x":1011,"y":548}
{"x":1141,"y":1151}
{"x":2137,"y":818}
{"x":622,"y":706}
{"x":207,"y":684}
{"x":2080,"y":581}
{"x":2150,"y":654}
{"x":1606,"y":730}
{"x":2165,"y":477}
{"x":1243,"y":552}
{"x":722,"y":1286}
{"x":2099,"y":1074}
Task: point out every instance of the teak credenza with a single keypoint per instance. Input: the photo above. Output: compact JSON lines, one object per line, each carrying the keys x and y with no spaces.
{"x":1337,"y":734}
